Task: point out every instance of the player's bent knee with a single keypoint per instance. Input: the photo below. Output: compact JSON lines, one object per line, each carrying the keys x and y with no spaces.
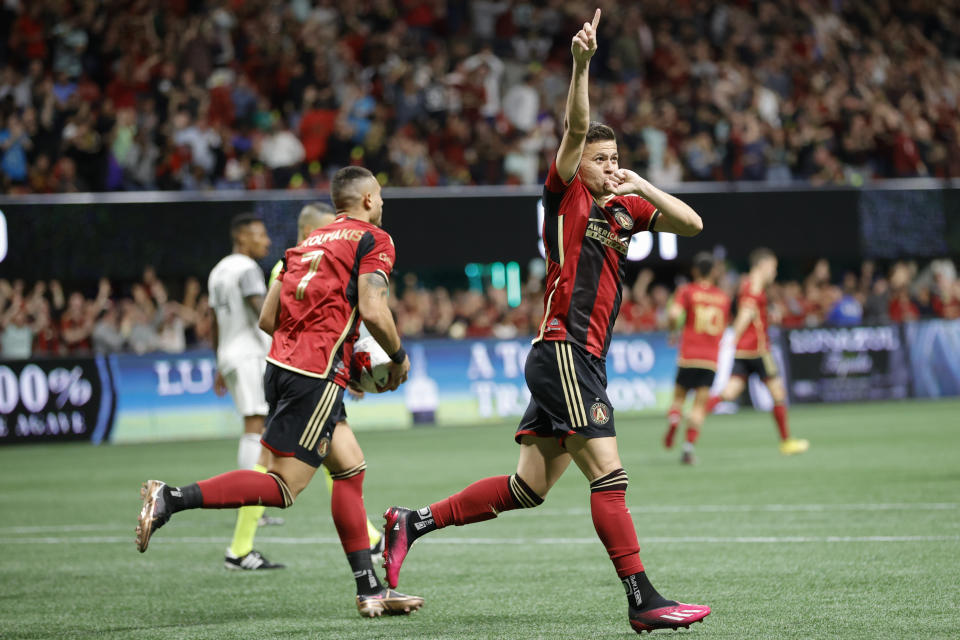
{"x":288,"y":495}
{"x":349,"y":473}
{"x":523,"y":495}
{"x":616,"y":480}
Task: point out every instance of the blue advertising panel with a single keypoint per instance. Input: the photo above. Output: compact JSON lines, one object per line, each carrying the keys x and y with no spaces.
{"x":473,"y":381}
{"x":452,"y":382}
{"x":934,"y":357}
{"x":170,"y":397}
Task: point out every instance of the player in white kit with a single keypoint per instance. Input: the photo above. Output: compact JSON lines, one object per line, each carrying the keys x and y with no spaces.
{"x":237,"y":289}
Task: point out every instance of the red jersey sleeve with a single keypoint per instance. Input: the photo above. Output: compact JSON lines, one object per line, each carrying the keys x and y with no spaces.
{"x":379,"y":254}
{"x":554,"y":183}
{"x":643,"y":213}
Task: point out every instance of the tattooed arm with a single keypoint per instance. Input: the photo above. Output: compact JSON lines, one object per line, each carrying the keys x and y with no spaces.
{"x":372,"y":301}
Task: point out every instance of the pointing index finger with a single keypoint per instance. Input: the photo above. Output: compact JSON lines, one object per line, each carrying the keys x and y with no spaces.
{"x":596,"y":19}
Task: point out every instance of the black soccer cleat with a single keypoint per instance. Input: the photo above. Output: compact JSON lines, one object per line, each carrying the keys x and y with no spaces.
{"x":154,"y":513}
{"x":253,"y":561}
{"x":388,"y":602}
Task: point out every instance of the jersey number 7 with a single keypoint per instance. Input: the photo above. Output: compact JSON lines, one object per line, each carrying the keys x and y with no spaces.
{"x":313,"y":257}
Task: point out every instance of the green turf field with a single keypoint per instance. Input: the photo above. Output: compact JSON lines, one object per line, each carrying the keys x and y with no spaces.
{"x":859,"y":538}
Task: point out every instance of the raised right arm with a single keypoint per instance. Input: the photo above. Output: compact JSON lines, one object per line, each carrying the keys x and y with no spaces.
{"x":576,"y":119}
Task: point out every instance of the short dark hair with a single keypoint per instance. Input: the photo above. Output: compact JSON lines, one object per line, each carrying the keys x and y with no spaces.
{"x":760,"y":254}
{"x":702,"y":264}
{"x":241,"y":221}
{"x":599,"y":131}
{"x":341,"y":191}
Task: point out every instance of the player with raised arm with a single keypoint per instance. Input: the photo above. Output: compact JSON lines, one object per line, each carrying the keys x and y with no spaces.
{"x":704,"y":309}
{"x":336,"y":276}
{"x":237,"y":290}
{"x":312,"y":217}
{"x":592,"y":208}
{"x":753,"y":347}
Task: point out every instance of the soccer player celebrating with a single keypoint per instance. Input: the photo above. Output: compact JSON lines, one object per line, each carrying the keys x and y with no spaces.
{"x":237,"y":290}
{"x":592,"y":208}
{"x":336,"y":276}
{"x":753,"y":347}
{"x":312,"y":217}
{"x":705,"y":308}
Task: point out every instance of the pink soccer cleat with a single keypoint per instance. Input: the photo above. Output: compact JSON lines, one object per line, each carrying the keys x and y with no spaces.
{"x":670,"y":617}
{"x":397,"y":541}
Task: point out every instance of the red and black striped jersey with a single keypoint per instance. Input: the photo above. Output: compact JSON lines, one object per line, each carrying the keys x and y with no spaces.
{"x":586,"y":247}
{"x":319,"y":321}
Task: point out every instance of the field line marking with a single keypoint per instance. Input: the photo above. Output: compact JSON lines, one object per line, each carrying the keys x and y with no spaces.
{"x":547,"y":511}
{"x":763,"y":508}
{"x":499,"y":541}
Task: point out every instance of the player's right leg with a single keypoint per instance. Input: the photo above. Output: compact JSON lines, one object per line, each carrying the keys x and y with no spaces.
{"x":675,"y":414}
{"x":294,"y":402}
{"x":599,"y":460}
{"x":542,"y":462}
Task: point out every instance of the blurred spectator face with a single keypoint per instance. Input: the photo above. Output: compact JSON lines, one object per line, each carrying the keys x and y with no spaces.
{"x":849,"y":282}
{"x":254,"y":241}
{"x":599,"y":161}
{"x":75,"y":304}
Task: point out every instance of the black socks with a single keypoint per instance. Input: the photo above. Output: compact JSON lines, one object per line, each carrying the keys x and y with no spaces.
{"x":420,"y":522}
{"x":641,"y":595}
{"x":180,"y":498}
{"x":367,"y":581}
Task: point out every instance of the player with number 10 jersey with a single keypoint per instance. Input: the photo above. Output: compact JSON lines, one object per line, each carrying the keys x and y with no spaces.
{"x":705,"y":309}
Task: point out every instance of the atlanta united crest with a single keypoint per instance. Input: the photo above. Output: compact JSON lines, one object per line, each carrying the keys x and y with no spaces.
{"x":323,"y":446}
{"x":623,"y":219}
{"x":600,"y":413}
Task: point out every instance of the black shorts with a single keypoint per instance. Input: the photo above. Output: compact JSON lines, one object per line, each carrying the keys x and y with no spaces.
{"x":304,"y":411}
{"x":764,"y":366}
{"x":695,"y":377}
{"x":568,"y":388}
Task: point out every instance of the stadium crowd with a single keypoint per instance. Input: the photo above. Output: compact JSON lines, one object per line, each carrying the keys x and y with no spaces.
{"x":103,"y":95}
{"x":43,"y":320}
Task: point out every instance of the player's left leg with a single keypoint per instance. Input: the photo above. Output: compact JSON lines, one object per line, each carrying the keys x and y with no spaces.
{"x":599,"y":461}
{"x":694,"y":422}
{"x":675,"y":414}
{"x":542,"y":462}
{"x":347,"y":468}
{"x":788,"y":446}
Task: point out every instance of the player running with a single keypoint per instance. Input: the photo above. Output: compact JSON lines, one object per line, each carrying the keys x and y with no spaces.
{"x":706,"y":309}
{"x":592,"y":209}
{"x":312,"y":217}
{"x":339,"y":274}
{"x":237,"y":290}
{"x":753,"y":347}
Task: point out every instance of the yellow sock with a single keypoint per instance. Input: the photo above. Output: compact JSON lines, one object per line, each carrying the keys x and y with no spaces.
{"x":372,"y":531}
{"x":246,"y":529}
